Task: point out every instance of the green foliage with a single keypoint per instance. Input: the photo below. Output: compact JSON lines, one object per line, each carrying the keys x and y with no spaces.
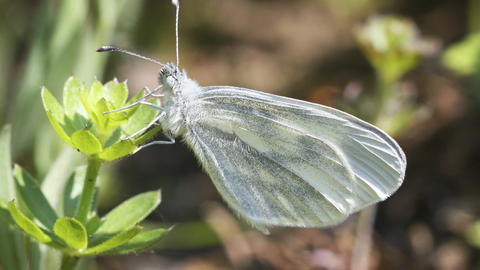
{"x":84,"y":123}
{"x":473,"y":234}
{"x":118,"y":232}
{"x":13,"y":254}
{"x":62,"y":38}
{"x":66,"y":220}
{"x":393,"y":45}
{"x":464,"y":56}
{"x":71,"y":232}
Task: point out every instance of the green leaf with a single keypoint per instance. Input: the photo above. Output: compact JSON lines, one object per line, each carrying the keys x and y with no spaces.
{"x":109,"y":121}
{"x":57,"y":112}
{"x":70,"y":96}
{"x":57,"y":176}
{"x":97,"y":92}
{"x":63,"y":135}
{"x":72,"y":232}
{"x":189,"y":235}
{"x":27,"y":225}
{"x":88,"y":103}
{"x":7,"y":191}
{"x":117,"y":93}
{"x":127,"y":214}
{"x":118,"y":118}
{"x":118,"y":150}
{"x":134,"y":99}
{"x":73,"y":190}
{"x":139,"y":242}
{"x":113,"y":139}
{"x":100,"y":107}
{"x":141,"y":118}
{"x":85,"y":142}
{"x":51,"y":104}
{"x":12,"y":247}
{"x":5,"y":213}
{"x":93,"y":224}
{"x":73,"y":106}
{"x":33,"y":198}
{"x":464,"y":57}
{"x":113,"y":242}
{"x":148,"y":135}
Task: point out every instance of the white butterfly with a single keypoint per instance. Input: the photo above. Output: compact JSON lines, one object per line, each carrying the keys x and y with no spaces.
{"x":276,"y":160}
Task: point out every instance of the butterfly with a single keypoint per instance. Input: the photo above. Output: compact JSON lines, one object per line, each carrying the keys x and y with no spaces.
{"x":277,"y":161}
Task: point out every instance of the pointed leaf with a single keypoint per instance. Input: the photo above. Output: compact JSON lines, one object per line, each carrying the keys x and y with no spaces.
{"x":12,"y":246}
{"x":5,"y":214}
{"x":189,"y":235}
{"x":118,"y":150}
{"x":51,"y":104}
{"x":93,"y":224}
{"x":57,"y":177}
{"x":73,"y":190}
{"x":130,"y":212}
{"x":71,"y":102}
{"x":114,"y":138}
{"x":73,"y":106}
{"x":116,"y":93}
{"x":148,"y":135}
{"x":103,"y":119}
{"x":126,"y":215}
{"x":141,"y":118}
{"x":88,"y":103}
{"x":33,"y":198}
{"x":72,"y":232}
{"x":120,"y":117}
{"x":63,"y":135}
{"x":134,"y":99}
{"x":7,"y":190}
{"x":85,"y":142}
{"x":139,"y":242}
{"x":97,"y":92}
{"x":109,"y":121}
{"x":113,"y":242}
{"x":27,"y":225}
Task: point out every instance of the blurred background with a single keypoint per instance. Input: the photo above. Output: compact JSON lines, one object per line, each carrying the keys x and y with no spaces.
{"x":410,"y":67}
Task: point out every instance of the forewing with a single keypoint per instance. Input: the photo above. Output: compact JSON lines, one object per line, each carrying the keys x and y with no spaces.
{"x":281,"y":161}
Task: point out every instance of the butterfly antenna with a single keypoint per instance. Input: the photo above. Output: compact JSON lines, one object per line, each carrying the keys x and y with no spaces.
{"x":111,"y":49}
{"x":177,"y":5}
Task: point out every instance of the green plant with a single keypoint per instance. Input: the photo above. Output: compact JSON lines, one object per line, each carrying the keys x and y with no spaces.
{"x":393,"y":45}
{"x":66,"y":220}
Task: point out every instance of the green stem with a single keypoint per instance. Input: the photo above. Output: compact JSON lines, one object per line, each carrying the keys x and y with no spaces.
{"x":69,"y":262}
{"x":89,"y":184}
{"x":384,"y":90}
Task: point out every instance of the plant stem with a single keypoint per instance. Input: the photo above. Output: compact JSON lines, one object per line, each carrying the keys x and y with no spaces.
{"x":383,"y":92}
{"x":366,"y":218}
{"x":69,"y":262}
{"x":89,"y":184}
{"x":363,"y":238}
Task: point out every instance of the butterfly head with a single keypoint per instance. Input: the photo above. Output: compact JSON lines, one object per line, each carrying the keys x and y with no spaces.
{"x":169,"y":76}
{"x":175,"y":81}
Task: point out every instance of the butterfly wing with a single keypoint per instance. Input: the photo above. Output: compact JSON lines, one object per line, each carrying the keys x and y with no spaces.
{"x":282,"y":161}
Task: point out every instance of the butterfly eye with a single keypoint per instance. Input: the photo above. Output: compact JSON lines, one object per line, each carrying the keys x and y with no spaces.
{"x":170,"y":80}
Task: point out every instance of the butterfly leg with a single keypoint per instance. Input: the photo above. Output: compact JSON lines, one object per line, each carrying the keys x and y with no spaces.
{"x":153,"y":122}
{"x":169,"y":134}
{"x":151,"y":93}
{"x":135,"y":104}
